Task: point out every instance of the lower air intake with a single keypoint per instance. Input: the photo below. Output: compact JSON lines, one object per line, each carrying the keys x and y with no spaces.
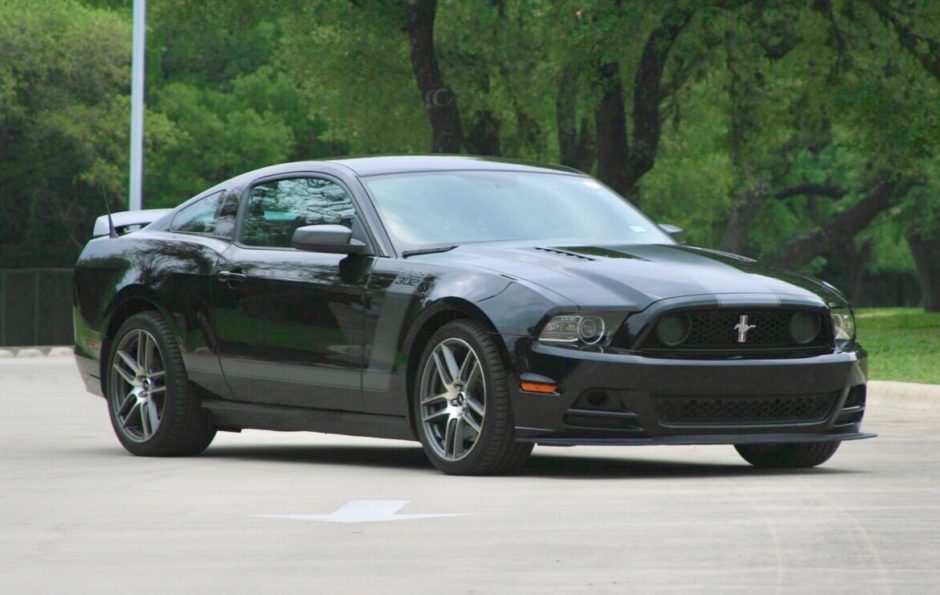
{"x":743,"y":410}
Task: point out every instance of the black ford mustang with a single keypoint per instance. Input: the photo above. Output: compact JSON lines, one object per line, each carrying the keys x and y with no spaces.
{"x":478,"y":306}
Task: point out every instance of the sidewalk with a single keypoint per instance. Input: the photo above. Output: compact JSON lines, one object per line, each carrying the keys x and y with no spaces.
{"x":909,"y":394}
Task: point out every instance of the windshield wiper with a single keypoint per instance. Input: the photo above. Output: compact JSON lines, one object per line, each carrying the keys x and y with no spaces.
{"x":433,"y":250}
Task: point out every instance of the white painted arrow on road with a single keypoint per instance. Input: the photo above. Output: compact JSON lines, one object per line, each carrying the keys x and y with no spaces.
{"x":362,"y":511}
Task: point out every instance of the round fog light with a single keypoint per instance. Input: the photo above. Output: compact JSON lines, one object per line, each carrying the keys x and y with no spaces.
{"x":804,"y":327}
{"x":591,"y":329}
{"x":673,"y":329}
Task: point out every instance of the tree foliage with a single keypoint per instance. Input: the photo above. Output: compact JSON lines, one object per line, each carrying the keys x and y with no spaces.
{"x":802,"y":133}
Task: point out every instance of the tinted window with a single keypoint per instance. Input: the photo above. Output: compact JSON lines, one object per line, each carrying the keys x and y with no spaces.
{"x":277,"y":208}
{"x":452,"y":207}
{"x":212,"y":215}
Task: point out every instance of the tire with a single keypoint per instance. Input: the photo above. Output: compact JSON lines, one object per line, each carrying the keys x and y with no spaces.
{"x":174,"y":424}
{"x":465,"y":423}
{"x":787,"y":456}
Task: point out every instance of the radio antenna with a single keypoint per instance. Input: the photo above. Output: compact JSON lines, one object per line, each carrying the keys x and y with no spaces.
{"x":112,"y":232}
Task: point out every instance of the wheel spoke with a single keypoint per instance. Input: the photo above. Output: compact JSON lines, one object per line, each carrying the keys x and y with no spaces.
{"x":436,"y":415}
{"x":142,"y":350}
{"x":129,"y":361}
{"x":476,"y":407}
{"x":468,"y":419}
{"x":128,"y":378}
{"x":144,"y":421}
{"x":157,"y":375}
{"x":129,"y":399}
{"x":152,"y":415}
{"x":458,"y":437}
{"x":135,"y":408}
{"x":146,"y":363}
{"x":440,"y":369}
{"x":434,"y":399}
{"x":468,"y":363}
{"x":474,"y":373}
{"x":157,"y":389}
{"x":452,"y":369}
{"x":449,"y":438}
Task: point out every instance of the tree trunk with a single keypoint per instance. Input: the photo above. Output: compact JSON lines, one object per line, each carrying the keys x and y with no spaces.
{"x":855,"y":262}
{"x":742,"y":216}
{"x":926,"y":253}
{"x":483,"y":135}
{"x":749,"y":201}
{"x":610,"y":121}
{"x":439,"y":100}
{"x":647,"y":95}
{"x":839,"y":229}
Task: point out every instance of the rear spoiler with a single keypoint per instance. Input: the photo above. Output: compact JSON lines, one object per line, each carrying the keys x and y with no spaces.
{"x":127,"y":221}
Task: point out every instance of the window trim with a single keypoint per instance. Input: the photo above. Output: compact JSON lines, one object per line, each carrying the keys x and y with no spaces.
{"x":246,"y":195}
{"x":172,"y":229}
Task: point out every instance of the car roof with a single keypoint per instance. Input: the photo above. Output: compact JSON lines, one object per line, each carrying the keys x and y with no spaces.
{"x":372,"y":166}
{"x":392,"y":164}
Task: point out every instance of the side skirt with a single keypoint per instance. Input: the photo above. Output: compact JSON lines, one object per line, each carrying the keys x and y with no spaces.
{"x":235,"y":414}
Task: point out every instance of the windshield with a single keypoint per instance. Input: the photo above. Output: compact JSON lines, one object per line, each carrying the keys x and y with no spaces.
{"x":456,"y":207}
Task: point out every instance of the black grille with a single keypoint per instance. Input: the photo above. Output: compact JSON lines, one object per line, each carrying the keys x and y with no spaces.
{"x":738,"y":410}
{"x":714,"y":330}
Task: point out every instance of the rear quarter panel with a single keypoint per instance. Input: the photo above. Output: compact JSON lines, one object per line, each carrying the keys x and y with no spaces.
{"x":171,"y":273}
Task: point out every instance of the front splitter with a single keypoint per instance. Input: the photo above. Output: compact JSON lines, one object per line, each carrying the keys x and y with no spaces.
{"x":699,"y":439}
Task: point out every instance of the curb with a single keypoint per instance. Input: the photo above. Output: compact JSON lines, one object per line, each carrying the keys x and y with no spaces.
{"x":908,"y":394}
{"x":31,"y":352}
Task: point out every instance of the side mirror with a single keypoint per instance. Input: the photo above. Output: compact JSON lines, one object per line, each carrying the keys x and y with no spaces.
{"x":673,"y":230}
{"x":334,"y":239}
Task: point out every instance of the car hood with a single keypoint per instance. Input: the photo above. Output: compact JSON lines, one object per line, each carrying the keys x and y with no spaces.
{"x":634,"y":276}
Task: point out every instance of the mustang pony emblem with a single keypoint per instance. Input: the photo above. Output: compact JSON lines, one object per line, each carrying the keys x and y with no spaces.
{"x":743,"y":327}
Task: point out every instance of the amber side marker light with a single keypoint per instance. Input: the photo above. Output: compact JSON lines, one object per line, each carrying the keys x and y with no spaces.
{"x":538,"y":387}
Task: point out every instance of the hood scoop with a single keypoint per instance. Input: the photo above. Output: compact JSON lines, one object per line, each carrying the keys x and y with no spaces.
{"x":565,"y":253}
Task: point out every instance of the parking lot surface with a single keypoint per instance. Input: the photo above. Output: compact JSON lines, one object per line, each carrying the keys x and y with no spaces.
{"x":268,"y":512}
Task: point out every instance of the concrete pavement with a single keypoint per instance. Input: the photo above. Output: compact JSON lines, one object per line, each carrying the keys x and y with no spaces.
{"x":78,"y":514}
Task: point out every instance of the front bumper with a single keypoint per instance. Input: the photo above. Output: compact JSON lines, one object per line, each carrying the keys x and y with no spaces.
{"x":90,"y":371}
{"x":605,"y":398}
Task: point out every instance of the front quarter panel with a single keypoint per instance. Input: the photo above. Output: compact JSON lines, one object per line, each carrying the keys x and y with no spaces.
{"x":406,"y":294}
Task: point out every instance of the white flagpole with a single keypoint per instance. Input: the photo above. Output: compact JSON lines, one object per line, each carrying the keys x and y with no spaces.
{"x":135,"y":200}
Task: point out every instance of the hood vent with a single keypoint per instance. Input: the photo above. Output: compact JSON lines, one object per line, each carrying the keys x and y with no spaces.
{"x":564,"y":253}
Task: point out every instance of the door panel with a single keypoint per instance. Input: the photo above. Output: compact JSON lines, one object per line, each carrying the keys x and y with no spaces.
{"x":289,"y":328}
{"x":289,"y":322}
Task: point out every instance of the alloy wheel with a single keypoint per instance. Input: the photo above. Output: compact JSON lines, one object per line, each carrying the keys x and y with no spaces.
{"x":138,"y":385}
{"x":453,"y":399}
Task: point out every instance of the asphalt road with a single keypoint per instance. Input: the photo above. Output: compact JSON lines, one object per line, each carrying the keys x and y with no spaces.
{"x":79,"y":515}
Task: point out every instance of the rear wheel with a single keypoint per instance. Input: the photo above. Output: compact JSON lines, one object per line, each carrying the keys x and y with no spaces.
{"x":461,"y":405}
{"x":787,"y":456}
{"x":153,"y":407}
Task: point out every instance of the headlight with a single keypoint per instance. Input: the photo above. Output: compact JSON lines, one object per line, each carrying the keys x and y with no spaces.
{"x":574,"y":328}
{"x":843,"y":325}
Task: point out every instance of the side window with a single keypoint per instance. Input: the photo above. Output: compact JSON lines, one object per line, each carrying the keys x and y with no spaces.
{"x":213,"y":215}
{"x":277,"y":208}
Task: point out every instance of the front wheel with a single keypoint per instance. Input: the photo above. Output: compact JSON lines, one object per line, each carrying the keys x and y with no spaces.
{"x":461,"y":404}
{"x":153,"y":407}
{"x":787,"y":456}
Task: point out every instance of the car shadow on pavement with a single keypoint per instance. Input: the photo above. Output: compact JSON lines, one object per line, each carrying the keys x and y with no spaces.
{"x":405,"y":457}
{"x":542,"y":464}
{"x":592,"y":467}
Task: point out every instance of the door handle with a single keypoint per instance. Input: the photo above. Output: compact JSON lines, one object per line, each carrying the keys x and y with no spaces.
{"x":230,"y":276}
